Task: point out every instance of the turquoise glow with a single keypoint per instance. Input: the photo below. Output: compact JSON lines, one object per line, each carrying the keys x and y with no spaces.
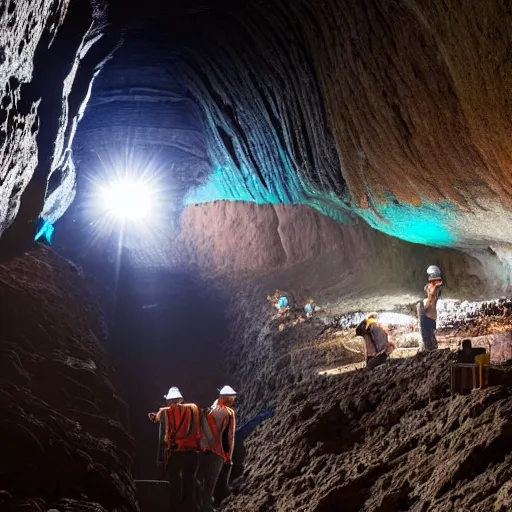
{"x":224,"y":184}
{"x":46,"y":230}
{"x":427,"y":224}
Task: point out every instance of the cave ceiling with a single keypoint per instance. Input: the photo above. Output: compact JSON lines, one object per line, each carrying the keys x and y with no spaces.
{"x":396,"y":113}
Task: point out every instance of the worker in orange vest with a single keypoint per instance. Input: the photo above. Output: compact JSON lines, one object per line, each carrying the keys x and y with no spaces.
{"x":219,"y":425}
{"x":180,"y":435}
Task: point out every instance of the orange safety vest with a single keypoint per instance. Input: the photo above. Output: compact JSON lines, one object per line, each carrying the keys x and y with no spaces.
{"x":182,"y":427}
{"x":224,"y":435}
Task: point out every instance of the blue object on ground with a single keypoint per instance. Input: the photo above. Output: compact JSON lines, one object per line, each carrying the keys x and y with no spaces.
{"x":247,"y":428}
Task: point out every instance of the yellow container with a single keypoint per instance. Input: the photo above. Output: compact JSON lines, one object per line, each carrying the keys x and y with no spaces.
{"x":483,"y":362}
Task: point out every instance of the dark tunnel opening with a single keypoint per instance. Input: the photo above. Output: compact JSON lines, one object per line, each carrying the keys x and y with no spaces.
{"x":169,"y":328}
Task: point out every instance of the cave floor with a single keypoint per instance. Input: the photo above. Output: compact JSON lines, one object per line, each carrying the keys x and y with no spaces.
{"x":340,"y":351}
{"x":394,"y":439}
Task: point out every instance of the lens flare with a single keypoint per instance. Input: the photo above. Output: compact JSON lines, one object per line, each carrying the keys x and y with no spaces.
{"x":128,"y":199}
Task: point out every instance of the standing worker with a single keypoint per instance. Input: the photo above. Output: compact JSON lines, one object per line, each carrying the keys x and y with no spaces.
{"x":427,"y":308}
{"x":219,"y":425}
{"x":376,"y":341}
{"x":180,"y":438}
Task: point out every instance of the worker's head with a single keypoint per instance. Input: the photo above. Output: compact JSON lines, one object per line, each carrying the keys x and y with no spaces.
{"x":433,"y":273}
{"x":372,"y":318}
{"x":227,"y":396}
{"x":466,"y":344}
{"x":174,"y":396}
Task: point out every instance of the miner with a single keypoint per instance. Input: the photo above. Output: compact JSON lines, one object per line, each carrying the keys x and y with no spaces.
{"x":376,"y":341}
{"x":427,"y":308}
{"x":180,"y":437}
{"x":218,"y":426}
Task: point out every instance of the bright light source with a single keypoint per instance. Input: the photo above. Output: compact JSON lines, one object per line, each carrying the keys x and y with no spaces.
{"x":390,"y":318}
{"x":128,"y":199}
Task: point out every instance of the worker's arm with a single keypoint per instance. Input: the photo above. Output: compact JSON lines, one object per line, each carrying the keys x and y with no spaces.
{"x":155,"y":416}
{"x":432,"y":292}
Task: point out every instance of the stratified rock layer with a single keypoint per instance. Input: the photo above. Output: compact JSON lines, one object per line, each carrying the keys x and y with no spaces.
{"x":396,"y":113}
{"x":387,"y":110}
{"x":62,"y":434}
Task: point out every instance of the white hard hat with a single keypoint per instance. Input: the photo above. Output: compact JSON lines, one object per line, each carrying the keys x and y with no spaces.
{"x":227,"y":391}
{"x":173,"y":393}
{"x":434,"y":272}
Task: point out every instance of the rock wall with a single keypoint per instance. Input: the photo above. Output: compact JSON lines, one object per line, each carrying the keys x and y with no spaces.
{"x":51,"y":51}
{"x":352,"y":108}
{"x":304,"y":252}
{"x":63,"y":433}
{"x":387,"y":110}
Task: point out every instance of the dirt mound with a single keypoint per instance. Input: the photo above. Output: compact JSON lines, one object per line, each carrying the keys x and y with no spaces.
{"x":62,"y":438}
{"x":389,"y":440}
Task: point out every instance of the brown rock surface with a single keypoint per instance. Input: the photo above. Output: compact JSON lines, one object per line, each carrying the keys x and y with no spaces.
{"x":406,"y":86}
{"x":62,"y":434}
{"x":370,"y":103}
{"x":302,"y":251}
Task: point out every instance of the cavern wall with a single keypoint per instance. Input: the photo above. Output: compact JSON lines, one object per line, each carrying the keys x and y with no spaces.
{"x":389,"y":110}
{"x":306,"y":253}
{"x":63,"y":433}
{"x":51,"y":51}
{"x":356,"y":109}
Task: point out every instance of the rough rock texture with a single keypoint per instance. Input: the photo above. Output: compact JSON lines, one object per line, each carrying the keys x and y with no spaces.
{"x":391,"y":440}
{"x":386,"y":109}
{"x":396,"y":113}
{"x":305,"y":252}
{"x":62,"y":434}
{"x":49,"y":56}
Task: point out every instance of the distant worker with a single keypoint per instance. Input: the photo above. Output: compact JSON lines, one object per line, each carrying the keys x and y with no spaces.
{"x":309,"y":308}
{"x":280,"y":301}
{"x":427,"y":308}
{"x":376,"y":341}
{"x":180,"y":438}
{"x":466,"y":354}
{"x":219,"y":439}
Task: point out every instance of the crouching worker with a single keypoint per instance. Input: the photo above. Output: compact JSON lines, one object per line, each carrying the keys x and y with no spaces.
{"x":376,"y":341}
{"x":218,"y":427}
{"x":179,"y":444}
{"x":280,"y":301}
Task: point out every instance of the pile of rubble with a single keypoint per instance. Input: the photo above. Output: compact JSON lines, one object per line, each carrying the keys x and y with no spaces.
{"x":464,"y":314}
{"x":387,"y":440}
